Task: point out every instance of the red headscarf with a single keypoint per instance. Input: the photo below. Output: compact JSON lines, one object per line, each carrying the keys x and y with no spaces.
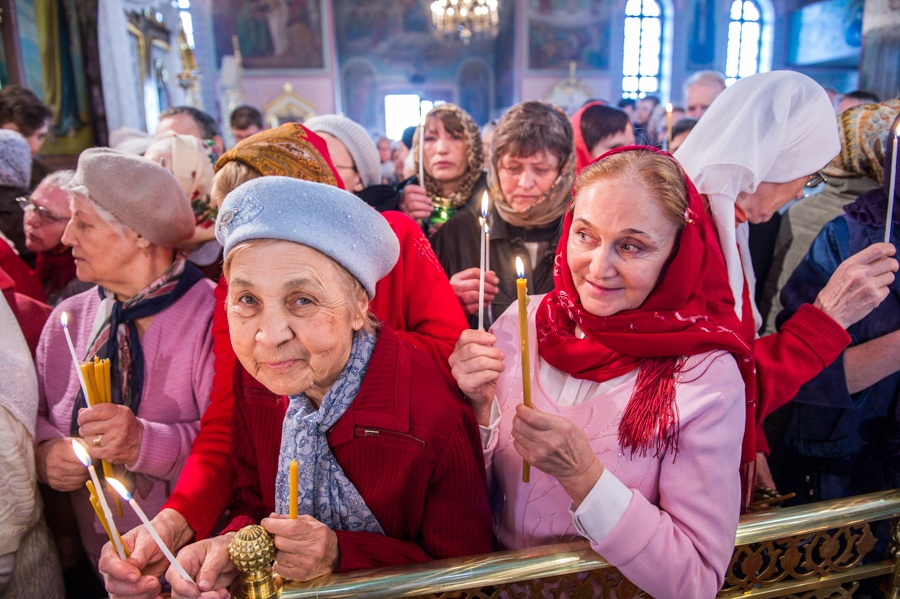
{"x":691,"y":311}
{"x":582,"y":152}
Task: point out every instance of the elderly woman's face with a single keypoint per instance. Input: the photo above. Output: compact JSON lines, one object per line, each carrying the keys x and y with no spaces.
{"x":525,"y":179}
{"x":761,"y":205}
{"x":618,"y":245}
{"x":290,"y":323}
{"x":103,"y":255}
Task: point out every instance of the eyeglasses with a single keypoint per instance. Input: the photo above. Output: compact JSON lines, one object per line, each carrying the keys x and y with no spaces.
{"x":816,"y":179}
{"x":47,"y":217}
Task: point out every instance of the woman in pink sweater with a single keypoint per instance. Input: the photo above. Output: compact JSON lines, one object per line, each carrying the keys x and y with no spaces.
{"x":634,"y":437}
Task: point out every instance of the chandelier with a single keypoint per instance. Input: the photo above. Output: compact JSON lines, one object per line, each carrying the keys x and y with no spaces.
{"x":465,"y":19}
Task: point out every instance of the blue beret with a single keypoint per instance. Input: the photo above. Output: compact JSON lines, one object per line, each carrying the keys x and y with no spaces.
{"x":325,"y":218}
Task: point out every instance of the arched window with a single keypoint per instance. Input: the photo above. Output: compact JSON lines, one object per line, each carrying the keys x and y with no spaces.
{"x":744,"y":40}
{"x":642,"y":58}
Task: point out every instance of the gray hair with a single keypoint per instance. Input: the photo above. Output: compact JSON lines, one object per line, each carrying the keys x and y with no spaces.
{"x":80,"y":192}
{"x":706,"y":79}
{"x":59,"y":179}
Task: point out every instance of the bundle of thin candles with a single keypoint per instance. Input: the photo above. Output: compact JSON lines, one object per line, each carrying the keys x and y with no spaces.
{"x":97,"y":384}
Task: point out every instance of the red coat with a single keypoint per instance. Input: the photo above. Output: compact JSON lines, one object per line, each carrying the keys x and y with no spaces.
{"x":408,"y":443}
{"x":415,"y":299}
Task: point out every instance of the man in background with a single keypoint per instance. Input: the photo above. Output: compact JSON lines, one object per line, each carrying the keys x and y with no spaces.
{"x":246,"y":121}
{"x":700,"y":90}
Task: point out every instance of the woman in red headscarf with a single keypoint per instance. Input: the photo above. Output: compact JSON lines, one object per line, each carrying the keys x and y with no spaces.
{"x":599,"y":128}
{"x":634,"y":437}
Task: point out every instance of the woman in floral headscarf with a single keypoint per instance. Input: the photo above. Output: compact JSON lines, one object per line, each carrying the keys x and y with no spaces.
{"x":531,"y":175}
{"x":453,"y":167}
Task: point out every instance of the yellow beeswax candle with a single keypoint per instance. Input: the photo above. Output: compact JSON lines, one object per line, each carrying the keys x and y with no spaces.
{"x":521,"y":288}
{"x":294,"y":486}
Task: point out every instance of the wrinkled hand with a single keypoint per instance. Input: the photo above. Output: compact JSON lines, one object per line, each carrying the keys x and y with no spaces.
{"x":121,"y":430}
{"x":415,"y":203}
{"x":58,"y":466}
{"x":558,"y":447}
{"x":138,"y":576}
{"x":207,"y":562}
{"x":305,"y":548}
{"x":465,"y":285}
{"x":859,"y":284}
{"x":476,"y":365}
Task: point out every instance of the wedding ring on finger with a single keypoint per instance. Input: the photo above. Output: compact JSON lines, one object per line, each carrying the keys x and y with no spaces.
{"x":97,"y":440}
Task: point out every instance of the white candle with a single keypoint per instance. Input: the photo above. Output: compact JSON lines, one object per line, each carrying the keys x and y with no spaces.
{"x":85,"y":458}
{"x":422,"y":147}
{"x":121,"y":490}
{"x":892,"y":188}
{"x":64,"y":321}
{"x":482,"y":223}
{"x":487,"y":268}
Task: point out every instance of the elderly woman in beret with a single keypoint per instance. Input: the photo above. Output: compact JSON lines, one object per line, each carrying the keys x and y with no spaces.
{"x":356,"y":402}
{"x":150,"y":315}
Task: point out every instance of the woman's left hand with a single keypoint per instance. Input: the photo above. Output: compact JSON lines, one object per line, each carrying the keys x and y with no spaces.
{"x":305,"y":548}
{"x":111,"y":432}
{"x":556,"y":446}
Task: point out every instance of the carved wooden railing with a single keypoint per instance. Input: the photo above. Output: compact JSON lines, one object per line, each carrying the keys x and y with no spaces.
{"x":819,"y":550}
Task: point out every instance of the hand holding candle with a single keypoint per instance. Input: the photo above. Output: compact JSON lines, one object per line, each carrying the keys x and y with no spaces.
{"x":121,"y":490}
{"x":521,"y":288}
{"x":85,"y":458}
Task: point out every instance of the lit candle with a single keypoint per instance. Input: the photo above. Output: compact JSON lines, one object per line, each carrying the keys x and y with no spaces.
{"x":64,"y":321}
{"x":668,"y":125}
{"x":121,"y":490}
{"x":85,"y":458}
{"x":294,"y":484}
{"x":521,"y":285}
{"x":487,"y":268}
{"x":892,"y":189}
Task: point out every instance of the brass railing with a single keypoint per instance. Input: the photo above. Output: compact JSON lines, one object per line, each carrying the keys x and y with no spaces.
{"x":815,"y":550}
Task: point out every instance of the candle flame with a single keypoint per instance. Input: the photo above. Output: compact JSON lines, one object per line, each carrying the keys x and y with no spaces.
{"x":119,"y":487}
{"x":484,"y":204}
{"x":669,"y":107}
{"x":64,"y":320}
{"x":520,"y":268}
{"x":81,"y":453}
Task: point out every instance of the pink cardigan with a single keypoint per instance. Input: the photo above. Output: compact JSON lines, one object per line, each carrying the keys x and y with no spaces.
{"x":178,"y":372}
{"x":667,"y":524}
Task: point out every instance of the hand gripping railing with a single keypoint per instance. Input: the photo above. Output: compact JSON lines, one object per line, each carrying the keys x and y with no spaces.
{"x":817,"y":550}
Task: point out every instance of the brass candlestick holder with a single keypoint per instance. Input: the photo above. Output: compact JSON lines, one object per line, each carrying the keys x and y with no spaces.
{"x":252,"y":551}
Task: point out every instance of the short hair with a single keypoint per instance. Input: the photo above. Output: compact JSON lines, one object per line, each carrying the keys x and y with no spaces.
{"x":707,"y":79}
{"x":626,"y":102}
{"x":246,"y":116}
{"x":208,"y":126}
{"x":683,"y":125}
{"x":531,"y":127}
{"x":21,"y":107}
{"x":230,"y":176}
{"x":862,"y":95}
{"x":600,"y":121}
{"x":650,"y":98}
{"x":659,"y":174}
{"x":59,"y":179}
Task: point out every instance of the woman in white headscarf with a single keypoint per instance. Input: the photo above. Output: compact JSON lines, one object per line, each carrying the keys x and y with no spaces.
{"x":761,"y":142}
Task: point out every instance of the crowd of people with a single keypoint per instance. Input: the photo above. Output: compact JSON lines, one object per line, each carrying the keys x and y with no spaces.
{"x":319,"y":302}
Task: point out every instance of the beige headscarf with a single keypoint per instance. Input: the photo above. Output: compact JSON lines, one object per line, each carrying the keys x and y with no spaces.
{"x":773,"y":127}
{"x":474,"y":158}
{"x":864,"y":130}
{"x":191,"y":161}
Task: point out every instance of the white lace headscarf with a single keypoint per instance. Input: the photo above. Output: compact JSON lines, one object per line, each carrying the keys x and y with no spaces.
{"x":772,"y":127}
{"x":18,"y":380}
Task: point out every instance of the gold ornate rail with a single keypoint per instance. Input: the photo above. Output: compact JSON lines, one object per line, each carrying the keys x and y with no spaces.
{"x":815,"y":550}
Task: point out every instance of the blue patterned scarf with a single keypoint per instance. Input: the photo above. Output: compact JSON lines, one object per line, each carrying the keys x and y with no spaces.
{"x":325,"y":492}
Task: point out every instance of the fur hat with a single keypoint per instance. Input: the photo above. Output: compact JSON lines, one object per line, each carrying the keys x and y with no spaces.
{"x":361,"y":147}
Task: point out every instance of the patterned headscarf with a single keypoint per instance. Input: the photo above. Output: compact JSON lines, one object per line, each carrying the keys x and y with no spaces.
{"x":290,"y":150}
{"x":191,"y":161}
{"x":474,"y":158}
{"x":865,"y":131}
{"x":551,"y":206}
